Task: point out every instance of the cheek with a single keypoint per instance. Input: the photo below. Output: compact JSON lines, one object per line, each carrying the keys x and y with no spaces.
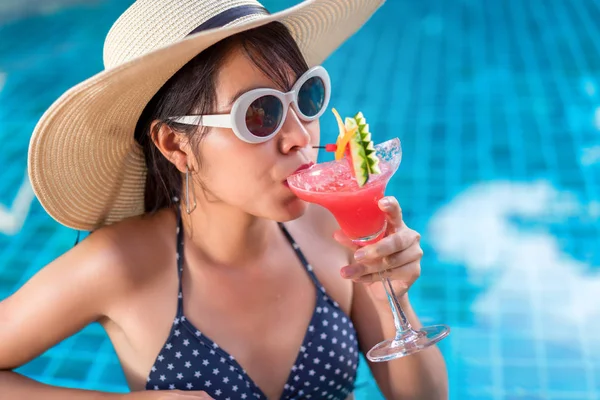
{"x":314,"y":130}
{"x":235,"y":172}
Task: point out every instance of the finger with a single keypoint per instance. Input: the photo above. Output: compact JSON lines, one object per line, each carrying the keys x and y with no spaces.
{"x":408,"y":274}
{"x":390,"y":206}
{"x":203,"y":395}
{"x":344,"y":240}
{"x":193,"y":394}
{"x":402,"y":258}
{"x":181,"y":395}
{"x":356,"y":270}
{"x":395,"y":260}
{"x":391,"y":244}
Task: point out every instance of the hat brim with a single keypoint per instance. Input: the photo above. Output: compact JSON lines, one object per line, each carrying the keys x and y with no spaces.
{"x":84,"y":164}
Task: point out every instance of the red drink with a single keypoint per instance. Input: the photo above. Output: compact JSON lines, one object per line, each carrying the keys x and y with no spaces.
{"x":355,"y":208}
{"x":333,"y":186}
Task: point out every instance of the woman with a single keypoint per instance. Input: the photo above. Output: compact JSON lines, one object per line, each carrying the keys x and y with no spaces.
{"x":210,"y":277}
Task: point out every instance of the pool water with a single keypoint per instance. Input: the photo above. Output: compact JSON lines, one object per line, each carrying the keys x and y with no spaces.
{"x":497,"y":104}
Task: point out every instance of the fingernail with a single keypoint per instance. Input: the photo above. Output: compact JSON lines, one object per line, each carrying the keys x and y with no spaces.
{"x":348,"y":271}
{"x":360,"y":254}
{"x":385,"y":202}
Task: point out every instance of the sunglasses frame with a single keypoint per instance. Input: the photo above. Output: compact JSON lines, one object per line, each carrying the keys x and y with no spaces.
{"x":236,"y":119}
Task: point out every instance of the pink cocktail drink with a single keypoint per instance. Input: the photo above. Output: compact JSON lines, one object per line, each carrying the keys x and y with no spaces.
{"x":333,"y":186}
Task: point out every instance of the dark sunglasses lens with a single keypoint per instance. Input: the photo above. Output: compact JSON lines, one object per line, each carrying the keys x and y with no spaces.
{"x":264,"y":116}
{"x":311,"y":96}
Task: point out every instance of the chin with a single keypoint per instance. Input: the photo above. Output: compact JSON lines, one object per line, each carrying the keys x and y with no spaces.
{"x":289,"y":210}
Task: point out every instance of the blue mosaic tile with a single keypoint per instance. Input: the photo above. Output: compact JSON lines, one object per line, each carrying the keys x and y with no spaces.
{"x":498,"y":108}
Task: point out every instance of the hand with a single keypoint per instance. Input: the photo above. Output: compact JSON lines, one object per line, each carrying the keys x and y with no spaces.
{"x":398,"y":255}
{"x":168,"y":395}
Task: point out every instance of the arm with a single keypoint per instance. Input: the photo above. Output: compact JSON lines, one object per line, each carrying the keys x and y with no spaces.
{"x":419,"y":376}
{"x":422,"y":375}
{"x":61,"y":299}
{"x":16,"y":386}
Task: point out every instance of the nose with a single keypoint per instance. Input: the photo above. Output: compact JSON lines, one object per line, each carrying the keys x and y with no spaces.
{"x":293,"y":134}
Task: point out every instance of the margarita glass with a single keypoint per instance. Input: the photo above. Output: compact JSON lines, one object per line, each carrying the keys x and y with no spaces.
{"x":333,"y":186}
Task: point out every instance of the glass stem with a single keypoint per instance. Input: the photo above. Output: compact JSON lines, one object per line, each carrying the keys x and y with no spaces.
{"x":400,"y":321}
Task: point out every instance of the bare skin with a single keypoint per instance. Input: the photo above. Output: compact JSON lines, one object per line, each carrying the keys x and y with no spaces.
{"x":241,"y":277}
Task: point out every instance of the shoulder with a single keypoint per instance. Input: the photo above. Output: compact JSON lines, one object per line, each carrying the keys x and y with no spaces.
{"x":86,"y":284}
{"x":124,"y":257}
{"x":135,"y":238}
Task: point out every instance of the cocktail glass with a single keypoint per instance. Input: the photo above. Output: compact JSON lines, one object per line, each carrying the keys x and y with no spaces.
{"x":333,"y":186}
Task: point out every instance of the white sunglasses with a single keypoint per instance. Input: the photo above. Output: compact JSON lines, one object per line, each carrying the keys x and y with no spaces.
{"x":257,"y":115}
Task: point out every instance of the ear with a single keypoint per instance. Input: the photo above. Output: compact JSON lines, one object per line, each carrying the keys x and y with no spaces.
{"x":175,"y":146}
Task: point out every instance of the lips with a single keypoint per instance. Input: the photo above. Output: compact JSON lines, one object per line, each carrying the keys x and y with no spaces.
{"x":303,"y":167}
{"x":300,"y":168}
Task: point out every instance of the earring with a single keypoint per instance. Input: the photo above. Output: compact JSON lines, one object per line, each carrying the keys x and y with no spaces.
{"x":189,"y":209}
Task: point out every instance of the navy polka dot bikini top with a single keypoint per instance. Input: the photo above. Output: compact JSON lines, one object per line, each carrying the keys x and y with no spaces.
{"x":325,"y":367}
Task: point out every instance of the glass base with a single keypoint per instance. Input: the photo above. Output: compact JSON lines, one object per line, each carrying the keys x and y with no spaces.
{"x":409,"y":343}
{"x":363,"y":241}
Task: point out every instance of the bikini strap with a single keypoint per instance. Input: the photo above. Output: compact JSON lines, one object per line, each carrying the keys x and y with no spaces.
{"x":302,"y":258}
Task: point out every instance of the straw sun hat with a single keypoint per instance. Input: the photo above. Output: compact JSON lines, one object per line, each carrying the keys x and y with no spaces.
{"x":84,"y":165}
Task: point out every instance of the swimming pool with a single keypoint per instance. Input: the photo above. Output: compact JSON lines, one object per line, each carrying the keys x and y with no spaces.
{"x":498,"y":107}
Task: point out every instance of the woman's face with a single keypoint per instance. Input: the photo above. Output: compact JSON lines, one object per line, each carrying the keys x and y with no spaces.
{"x":248,"y":176}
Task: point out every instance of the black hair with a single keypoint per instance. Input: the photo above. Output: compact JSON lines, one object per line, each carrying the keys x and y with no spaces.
{"x":191,"y":90}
